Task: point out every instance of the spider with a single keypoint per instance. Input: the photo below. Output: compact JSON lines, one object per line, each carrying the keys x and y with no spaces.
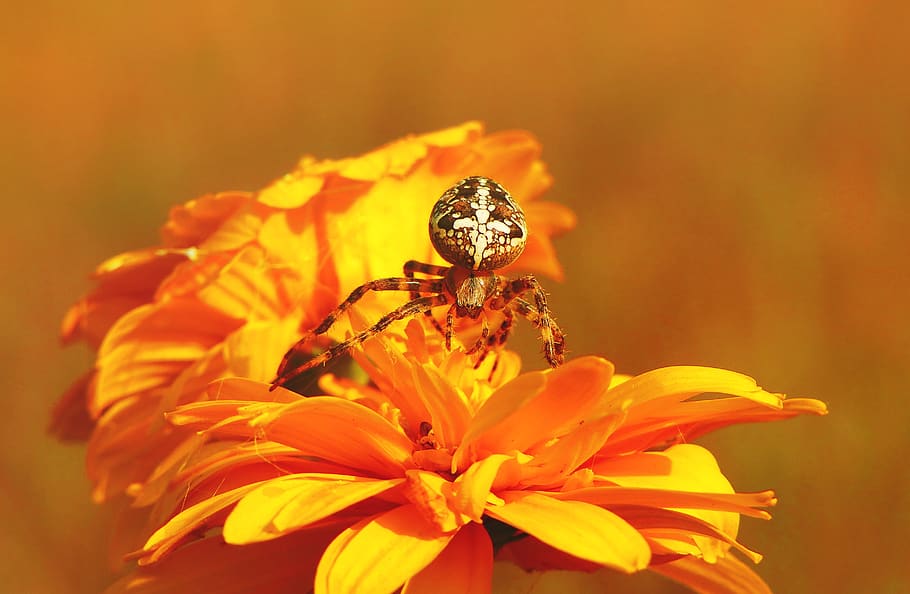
{"x":478,"y":228}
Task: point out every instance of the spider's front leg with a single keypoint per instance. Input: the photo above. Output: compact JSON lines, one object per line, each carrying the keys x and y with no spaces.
{"x":413,"y":266}
{"x":530,"y":313}
{"x":538,"y":314}
{"x":411,"y":308}
{"x":413,"y":285}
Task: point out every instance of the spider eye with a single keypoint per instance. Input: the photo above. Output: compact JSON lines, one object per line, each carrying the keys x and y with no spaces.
{"x":477,"y":225}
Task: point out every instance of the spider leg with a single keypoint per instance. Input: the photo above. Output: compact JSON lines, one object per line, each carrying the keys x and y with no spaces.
{"x":502,"y":333}
{"x":450,"y":326}
{"x":411,"y":308}
{"x":498,"y":337}
{"x":530,"y":313}
{"x":414,"y":285}
{"x":538,"y":314}
{"x":481,"y":343}
{"x":413,"y":266}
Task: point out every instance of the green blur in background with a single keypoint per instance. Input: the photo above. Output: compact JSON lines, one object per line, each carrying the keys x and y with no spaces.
{"x":741,"y":176}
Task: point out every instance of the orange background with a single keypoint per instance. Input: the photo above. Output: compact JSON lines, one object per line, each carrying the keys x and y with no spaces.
{"x":741,"y":177}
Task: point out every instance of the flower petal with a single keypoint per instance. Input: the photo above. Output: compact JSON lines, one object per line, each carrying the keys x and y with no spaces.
{"x":148,"y":347}
{"x":124,"y":283}
{"x":678,"y":532}
{"x":189,"y":520}
{"x":728,"y":575}
{"x":552,"y":463}
{"x":690,"y":419}
{"x":740,"y":503}
{"x":242,"y":284}
{"x":656,"y":387}
{"x":331,"y":428}
{"x":580,"y":529}
{"x":276,"y":567}
{"x":472,"y":488}
{"x":292,"y":502}
{"x":341,"y":431}
{"x":194,"y":222}
{"x":683,"y":467}
{"x":379,"y":554}
{"x":465,"y":566}
{"x":537,"y":407}
{"x":70,"y":420}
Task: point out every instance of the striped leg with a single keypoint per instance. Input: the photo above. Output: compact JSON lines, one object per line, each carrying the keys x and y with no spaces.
{"x":481,"y":344}
{"x":450,"y":326}
{"x":538,"y":314}
{"x":497,"y":338}
{"x":530,"y":313}
{"x":413,"y":266}
{"x":415,"y":286}
{"x":413,"y":307}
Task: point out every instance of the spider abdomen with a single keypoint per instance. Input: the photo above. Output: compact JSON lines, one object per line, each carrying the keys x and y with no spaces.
{"x":477,"y":225}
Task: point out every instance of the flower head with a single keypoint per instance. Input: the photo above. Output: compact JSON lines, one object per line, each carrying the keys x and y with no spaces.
{"x":437,"y":466}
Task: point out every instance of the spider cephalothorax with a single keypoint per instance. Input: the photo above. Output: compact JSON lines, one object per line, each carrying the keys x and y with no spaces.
{"x":477,"y":227}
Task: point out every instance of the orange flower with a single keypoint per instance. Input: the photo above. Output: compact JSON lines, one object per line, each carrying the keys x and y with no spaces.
{"x":421,"y":478}
{"x":237,"y":275}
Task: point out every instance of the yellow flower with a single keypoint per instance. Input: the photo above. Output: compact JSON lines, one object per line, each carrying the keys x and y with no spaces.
{"x":421,"y":478}
{"x":238,"y":275}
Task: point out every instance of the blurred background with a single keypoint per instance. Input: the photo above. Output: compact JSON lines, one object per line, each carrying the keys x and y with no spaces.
{"x":741,"y":176}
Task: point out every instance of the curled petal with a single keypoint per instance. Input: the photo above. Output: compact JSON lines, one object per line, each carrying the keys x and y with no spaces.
{"x":740,"y":503}
{"x":472,"y":489}
{"x":431,"y":493}
{"x":654,"y":389}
